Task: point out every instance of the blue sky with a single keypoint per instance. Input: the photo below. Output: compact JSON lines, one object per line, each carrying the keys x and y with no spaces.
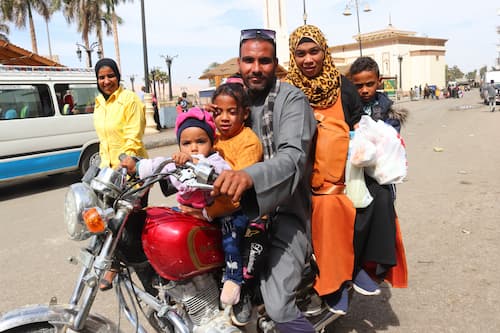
{"x":201,"y":32}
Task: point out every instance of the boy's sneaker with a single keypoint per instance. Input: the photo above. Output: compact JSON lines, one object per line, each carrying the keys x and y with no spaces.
{"x":241,"y":312}
{"x":364,"y":284}
{"x":311,"y":305}
{"x":338,"y":302}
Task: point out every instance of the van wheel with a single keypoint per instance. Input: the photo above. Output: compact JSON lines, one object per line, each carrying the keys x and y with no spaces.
{"x":90,"y":157}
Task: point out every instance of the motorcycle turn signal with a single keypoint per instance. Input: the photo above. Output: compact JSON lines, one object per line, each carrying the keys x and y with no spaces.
{"x":93,"y":220}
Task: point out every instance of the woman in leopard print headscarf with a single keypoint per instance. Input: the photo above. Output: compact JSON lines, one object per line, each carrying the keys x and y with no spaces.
{"x":337,"y":106}
{"x":335,"y":100}
{"x":323,"y":89}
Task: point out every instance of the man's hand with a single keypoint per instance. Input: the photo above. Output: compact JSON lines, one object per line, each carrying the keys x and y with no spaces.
{"x":232,"y":183}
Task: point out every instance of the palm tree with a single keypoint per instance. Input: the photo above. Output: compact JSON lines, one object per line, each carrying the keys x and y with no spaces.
{"x":18,"y":11}
{"x":211,"y":82}
{"x":115,"y":20}
{"x":4,"y":31}
{"x":155,"y":77}
{"x":100,"y":25}
{"x":163,"y":80}
{"x":86,"y":13}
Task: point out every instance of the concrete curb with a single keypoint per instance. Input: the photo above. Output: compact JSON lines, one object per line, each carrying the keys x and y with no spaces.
{"x":166,"y":137}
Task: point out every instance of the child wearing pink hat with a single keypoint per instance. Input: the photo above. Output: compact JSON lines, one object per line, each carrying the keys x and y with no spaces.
{"x":195,"y":131}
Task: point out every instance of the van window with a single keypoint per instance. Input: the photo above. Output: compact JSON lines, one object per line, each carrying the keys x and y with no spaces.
{"x":76,"y":98}
{"x":25,"y":101}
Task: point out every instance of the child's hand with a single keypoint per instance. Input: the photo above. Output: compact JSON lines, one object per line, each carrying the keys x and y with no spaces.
{"x":195,"y":212}
{"x":210,"y":108}
{"x":181,"y":158}
{"x":129,"y":163}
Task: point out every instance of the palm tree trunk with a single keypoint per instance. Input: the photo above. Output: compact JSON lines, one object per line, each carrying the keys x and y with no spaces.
{"x":115,"y":38}
{"x":87,"y":47}
{"x":34,"y":46}
{"x":101,"y":45}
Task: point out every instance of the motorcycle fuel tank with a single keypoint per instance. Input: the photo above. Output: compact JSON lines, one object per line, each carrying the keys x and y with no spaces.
{"x":179,"y":246}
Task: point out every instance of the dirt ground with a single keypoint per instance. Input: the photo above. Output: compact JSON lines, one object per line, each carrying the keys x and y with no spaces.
{"x":449,"y":212}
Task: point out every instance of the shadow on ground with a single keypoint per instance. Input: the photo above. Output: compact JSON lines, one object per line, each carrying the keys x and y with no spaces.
{"x":367,"y":314}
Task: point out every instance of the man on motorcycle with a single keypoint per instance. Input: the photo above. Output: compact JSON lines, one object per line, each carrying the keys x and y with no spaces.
{"x":278,"y":186}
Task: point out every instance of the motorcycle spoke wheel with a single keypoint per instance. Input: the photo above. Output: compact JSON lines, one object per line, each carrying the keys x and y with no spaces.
{"x":45,"y":327}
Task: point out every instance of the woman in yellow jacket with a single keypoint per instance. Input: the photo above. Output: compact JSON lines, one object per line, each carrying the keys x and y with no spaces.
{"x":119,"y":120}
{"x":119,"y":116}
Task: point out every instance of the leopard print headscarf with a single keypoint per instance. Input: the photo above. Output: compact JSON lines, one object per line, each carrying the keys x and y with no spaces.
{"x":323,"y":90}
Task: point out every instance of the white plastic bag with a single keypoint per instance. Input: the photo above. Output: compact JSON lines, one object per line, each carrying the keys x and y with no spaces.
{"x":355,"y":187}
{"x":389,"y":165}
{"x":363,"y":151}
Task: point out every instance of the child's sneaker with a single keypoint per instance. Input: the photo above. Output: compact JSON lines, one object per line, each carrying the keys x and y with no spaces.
{"x":241,"y":313}
{"x":364,"y":284}
{"x":338,"y":302}
{"x":230,"y":294}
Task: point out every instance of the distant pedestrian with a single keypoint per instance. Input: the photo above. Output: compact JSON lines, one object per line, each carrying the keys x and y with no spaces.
{"x":492,"y":93}
{"x":183,"y":104}
{"x":141,"y":93}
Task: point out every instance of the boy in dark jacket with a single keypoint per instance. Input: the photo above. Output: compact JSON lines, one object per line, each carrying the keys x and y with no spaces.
{"x":365,"y":75}
{"x":376,"y":227}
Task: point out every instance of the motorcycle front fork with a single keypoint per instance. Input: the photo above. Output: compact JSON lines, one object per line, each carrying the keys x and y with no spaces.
{"x":93,"y":268}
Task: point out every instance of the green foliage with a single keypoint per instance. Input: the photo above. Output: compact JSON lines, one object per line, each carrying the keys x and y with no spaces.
{"x":211,"y":82}
{"x":471,"y":75}
{"x":454,"y":73}
{"x":483,"y":70}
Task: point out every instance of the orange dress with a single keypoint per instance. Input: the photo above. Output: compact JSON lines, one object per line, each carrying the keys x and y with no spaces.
{"x":397,"y":275}
{"x":333,"y":213}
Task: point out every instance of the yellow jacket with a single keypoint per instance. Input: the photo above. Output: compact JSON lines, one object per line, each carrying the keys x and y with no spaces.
{"x":119,"y":123}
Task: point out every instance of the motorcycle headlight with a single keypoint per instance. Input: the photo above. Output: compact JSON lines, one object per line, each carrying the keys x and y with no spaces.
{"x":78,"y":198}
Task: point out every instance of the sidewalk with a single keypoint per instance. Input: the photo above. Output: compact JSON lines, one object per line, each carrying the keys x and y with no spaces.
{"x":165,"y":137}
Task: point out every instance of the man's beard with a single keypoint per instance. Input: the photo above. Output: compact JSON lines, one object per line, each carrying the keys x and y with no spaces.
{"x":256,"y":94}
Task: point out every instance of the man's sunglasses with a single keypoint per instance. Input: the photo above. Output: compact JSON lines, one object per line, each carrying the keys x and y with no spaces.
{"x":266,"y":34}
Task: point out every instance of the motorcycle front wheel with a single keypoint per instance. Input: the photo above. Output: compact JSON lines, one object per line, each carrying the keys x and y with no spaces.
{"x":53,"y":318}
{"x":46,"y":327}
{"x":41,"y":328}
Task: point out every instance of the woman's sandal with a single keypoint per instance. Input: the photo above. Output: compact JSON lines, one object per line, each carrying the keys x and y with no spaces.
{"x":106,"y":282}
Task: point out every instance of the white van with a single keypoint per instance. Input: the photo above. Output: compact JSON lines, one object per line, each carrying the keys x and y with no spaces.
{"x":46,"y":124}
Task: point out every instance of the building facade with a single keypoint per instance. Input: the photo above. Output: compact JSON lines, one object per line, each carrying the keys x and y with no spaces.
{"x":412,"y":60}
{"x":275,"y":19}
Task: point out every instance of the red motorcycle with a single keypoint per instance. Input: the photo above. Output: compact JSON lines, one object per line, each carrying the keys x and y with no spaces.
{"x":178,"y":259}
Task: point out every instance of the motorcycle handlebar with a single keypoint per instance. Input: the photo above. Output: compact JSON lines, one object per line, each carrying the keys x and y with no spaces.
{"x":196,"y":176}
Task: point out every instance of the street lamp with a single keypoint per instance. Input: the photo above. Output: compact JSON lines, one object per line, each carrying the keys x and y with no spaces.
{"x":132,"y":79}
{"x":400,"y":59}
{"x":347,"y":12}
{"x":144,"y":47}
{"x":304,"y":16}
{"x":168,"y":61}
{"x":89,"y":50}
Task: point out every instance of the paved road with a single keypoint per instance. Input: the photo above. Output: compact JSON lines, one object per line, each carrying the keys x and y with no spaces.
{"x":448,"y":208}
{"x":449,"y":211}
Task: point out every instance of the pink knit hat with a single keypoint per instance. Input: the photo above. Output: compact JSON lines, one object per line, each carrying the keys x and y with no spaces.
{"x":195,"y":117}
